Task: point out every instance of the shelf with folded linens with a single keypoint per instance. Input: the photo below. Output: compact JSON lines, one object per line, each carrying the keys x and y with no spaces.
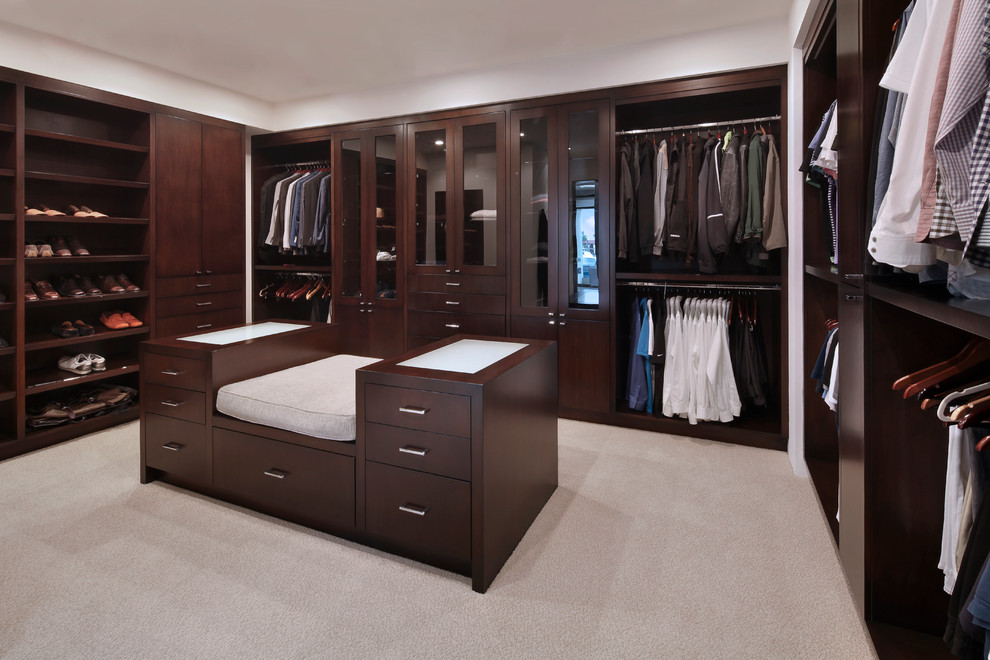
{"x":53,"y":378}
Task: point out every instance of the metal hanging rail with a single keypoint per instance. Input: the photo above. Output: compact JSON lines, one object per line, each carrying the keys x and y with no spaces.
{"x":707,"y":124}
{"x":703,"y":287}
{"x":323,"y":164}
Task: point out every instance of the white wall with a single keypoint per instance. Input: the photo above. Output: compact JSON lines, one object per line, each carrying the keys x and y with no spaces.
{"x":35,"y":52}
{"x":738,"y":47}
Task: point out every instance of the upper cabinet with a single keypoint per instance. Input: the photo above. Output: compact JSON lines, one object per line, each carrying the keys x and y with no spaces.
{"x":367,"y":240}
{"x":456,"y":176}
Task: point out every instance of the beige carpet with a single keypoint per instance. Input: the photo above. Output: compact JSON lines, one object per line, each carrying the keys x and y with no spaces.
{"x":652,"y":547}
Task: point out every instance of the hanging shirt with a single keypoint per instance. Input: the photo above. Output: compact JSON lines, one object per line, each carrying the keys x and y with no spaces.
{"x":636,"y":387}
{"x":660,"y":198}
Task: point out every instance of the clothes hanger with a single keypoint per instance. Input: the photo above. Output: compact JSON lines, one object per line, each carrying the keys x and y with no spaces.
{"x":961,"y":394}
{"x":982,"y":444}
{"x":932,"y":396}
{"x":978,"y":414}
{"x":973,"y":347}
{"x":967,"y":369}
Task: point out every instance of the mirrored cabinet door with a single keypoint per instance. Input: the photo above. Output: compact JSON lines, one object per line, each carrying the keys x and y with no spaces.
{"x":586,"y":243}
{"x":429,"y":160}
{"x":533,"y":212}
{"x":349,"y":168}
{"x":386,"y":218}
{"x":480,"y":230}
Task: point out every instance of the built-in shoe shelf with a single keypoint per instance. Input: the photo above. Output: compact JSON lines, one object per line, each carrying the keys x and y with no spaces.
{"x":92,"y":142}
{"x":43,"y":342}
{"x":102,"y":299}
{"x":46,"y":380}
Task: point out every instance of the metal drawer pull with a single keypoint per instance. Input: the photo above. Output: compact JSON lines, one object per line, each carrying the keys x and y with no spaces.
{"x":454,"y":326}
{"x":277,"y":474}
{"x":204,"y":285}
{"x":453,"y":283}
{"x":413,"y":508}
{"x":172,"y":404}
{"x":171,"y":372}
{"x":452,"y":302}
{"x":413,"y":450}
{"x":205,"y":325}
{"x":203,"y":304}
{"x":413,"y":410}
{"x":171,"y":446}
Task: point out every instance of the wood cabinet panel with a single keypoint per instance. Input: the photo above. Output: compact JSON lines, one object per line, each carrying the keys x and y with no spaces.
{"x":446,"y":455}
{"x":419,"y":409}
{"x":174,"y":371}
{"x":465,"y":303}
{"x":178,"y":196}
{"x":223,"y":200}
{"x":174,"y":402}
{"x":442,"y":324}
{"x":178,"y":447}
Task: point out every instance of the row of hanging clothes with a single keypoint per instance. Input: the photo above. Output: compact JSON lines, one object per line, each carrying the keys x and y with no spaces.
{"x":701,"y":358}
{"x":694,"y":198}
{"x":294,"y":209}
{"x":957,"y":391}
{"x":821,"y":171}
{"x":825,"y":373}
{"x":309,"y":295}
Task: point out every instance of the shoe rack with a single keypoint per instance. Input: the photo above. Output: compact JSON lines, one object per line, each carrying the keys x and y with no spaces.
{"x":8,"y":259}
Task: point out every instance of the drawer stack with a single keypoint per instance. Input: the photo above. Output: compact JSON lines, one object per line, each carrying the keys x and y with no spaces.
{"x":193,"y":304}
{"x":445,"y":305}
{"x":418,"y":471}
{"x":174,"y":401}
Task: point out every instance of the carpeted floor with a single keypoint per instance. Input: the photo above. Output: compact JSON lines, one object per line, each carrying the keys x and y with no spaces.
{"x":652,"y":547}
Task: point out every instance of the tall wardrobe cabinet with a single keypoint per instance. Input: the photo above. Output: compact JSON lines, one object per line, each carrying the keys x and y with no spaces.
{"x":199,"y":225}
{"x":560,"y":243}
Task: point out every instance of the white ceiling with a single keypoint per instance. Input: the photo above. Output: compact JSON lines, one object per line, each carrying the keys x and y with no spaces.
{"x":298,"y":49}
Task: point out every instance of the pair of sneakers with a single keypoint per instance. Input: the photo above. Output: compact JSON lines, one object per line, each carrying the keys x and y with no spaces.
{"x":83,"y":363}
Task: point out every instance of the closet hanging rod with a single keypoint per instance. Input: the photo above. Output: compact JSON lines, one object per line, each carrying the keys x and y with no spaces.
{"x":707,"y":124}
{"x":310,"y":163}
{"x":303,"y":273}
{"x":703,"y":287}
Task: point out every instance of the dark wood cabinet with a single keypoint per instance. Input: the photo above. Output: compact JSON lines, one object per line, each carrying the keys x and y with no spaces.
{"x":368,"y":248}
{"x":199,"y":224}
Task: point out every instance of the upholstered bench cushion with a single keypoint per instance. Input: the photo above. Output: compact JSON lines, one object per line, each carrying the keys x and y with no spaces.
{"x":314,"y":399}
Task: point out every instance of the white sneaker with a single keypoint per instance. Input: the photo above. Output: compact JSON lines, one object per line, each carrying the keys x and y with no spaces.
{"x":77,"y":364}
{"x":97,"y":362}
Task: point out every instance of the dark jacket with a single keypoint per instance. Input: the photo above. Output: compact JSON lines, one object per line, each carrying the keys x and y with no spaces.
{"x":644,"y":197}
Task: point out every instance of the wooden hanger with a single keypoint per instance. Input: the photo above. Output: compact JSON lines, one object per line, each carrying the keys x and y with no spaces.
{"x":979,"y":413}
{"x":932,"y":396}
{"x":982,"y":444}
{"x":975,"y":348}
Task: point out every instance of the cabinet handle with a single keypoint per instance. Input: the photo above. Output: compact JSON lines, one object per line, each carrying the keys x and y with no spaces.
{"x":452,"y":302}
{"x":853,"y":298}
{"x":276,"y":474}
{"x":562,"y":324}
{"x":208,"y":271}
{"x":205,"y":325}
{"x":551,"y":323}
{"x":171,"y":446}
{"x":202,"y":285}
{"x":416,"y":451}
{"x":171,"y":372}
{"x":453,"y":283}
{"x":203,"y":304}
{"x":172,"y":404}
{"x":413,"y":508}
{"x":561,"y":315}
{"x":453,"y":326}
{"x":413,"y":410}
{"x":199,"y":272}
{"x":457,"y":270}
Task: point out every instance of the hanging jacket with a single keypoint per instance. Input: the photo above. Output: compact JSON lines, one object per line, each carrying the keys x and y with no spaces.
{"x":697,"y":154}
{"x":718,"y":237}
{"x":743,"y":189}
{"x":774,"y":229}
{"x":674,"y":167}
{"x":756,"y":175}
{"x":644,"y":198}
{"x":626,"y":200}
{"x":660,"y":190}
{"x":710,"y":217}
{"x":731,"y":187}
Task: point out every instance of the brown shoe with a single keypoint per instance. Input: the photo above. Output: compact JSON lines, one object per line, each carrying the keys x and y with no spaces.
{"x":76,"y":247}
{"x":131,"y":320}
{"x":45,"y":290}
{"x":86,"y":284}
{"x":29,"y":294}
{"x":129,"y":286}
{"x":48,"y":211}
{"x":92,"y":213}
{"x":67,"y":287}
{"x":59,"y":246}
{"x":75,"y":210}
{"x":109,"y":284}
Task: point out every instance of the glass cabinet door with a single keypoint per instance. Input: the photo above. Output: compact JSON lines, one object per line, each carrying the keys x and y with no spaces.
{"x":386,"y":222}
{"x":532,"y":172}
{"x":480,"y":224}
{"x":585,"y":266}
{"x":430,"y":191}
{"x":350,"y":222}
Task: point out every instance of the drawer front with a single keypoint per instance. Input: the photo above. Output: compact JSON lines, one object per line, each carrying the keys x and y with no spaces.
{"x":456,"y":283}
{"x":419,"y":511}
{"x":174,"y":402}
{"x":464,"y":303}
{"x":442,"y":324}
{"x":299,"y":483}
{"x":167,"y":287}
{"x":449,"y":414}
{"x":177,"y":447}
{"x":191,"y":323}
{"x":446,"y":455}
{"x":186,"y":373}
{"x":198,"y":304}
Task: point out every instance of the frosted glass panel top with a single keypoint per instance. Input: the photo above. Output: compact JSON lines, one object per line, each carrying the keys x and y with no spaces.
{"x":467,"y":356}
{"x":232,"y":335}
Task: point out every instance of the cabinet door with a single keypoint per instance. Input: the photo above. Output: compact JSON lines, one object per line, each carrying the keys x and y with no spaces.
{"x":223,"y":200}
{"x":479,"y":227}
{"x":533,"y":212}
{"x":178,"y":195}
{"x":428,"y":176}
{"x":583,"y":365}
{"x":583,"y":261}
{"x":385,"y":254}
{"x":386,"y":332}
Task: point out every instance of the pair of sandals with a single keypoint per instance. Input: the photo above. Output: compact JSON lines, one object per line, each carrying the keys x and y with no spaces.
{"x":77,"y":211}
{"x":120,"y":320}
{"x":68,"y":329}
{"x":56,"y":247}
{"x":83,"y":363}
